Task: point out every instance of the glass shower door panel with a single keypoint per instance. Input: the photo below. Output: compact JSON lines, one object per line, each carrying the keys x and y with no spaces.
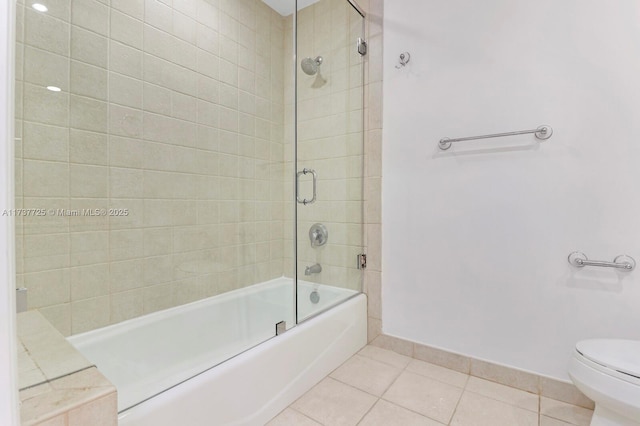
{"x":329,"y":155}
{"x":173,"y":130}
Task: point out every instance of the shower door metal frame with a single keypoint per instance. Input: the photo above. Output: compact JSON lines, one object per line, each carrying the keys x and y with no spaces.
{"x":294,"y":191}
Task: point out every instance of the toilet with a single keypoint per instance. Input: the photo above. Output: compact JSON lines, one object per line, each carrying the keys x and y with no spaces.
{"x":608,"y":372}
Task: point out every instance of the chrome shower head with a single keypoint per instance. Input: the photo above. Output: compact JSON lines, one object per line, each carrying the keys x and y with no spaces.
{"x":310,"y":66}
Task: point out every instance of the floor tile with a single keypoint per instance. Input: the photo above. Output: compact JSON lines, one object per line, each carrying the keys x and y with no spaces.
{"x":331,"y":402}
{"x":366,"y":374}
{"x":478,"y":410}
{"x":420,"y":393}
{"x":290,"y":417}
{"x":438,"y":373}
{"x":503,"y":393}
{"x":385,"y":413}
{"x":548,"y":421}
{"x":565,"y":412}
{"x":384,"y":355}
{"x":423,"y":395}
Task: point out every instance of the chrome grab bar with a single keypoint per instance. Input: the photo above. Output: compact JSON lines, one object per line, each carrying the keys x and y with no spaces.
{"x":304,"y":171}
{"x":542,"y":132}
{"x":624,"y":262}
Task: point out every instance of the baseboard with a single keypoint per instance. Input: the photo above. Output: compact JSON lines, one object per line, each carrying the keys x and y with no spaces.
{"x":540,"y":385}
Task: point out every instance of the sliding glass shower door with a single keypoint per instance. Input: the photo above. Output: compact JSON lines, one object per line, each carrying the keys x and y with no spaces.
{"x":329,"y":154}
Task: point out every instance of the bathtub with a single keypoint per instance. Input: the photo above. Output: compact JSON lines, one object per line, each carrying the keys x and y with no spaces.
{"x":218,"y":362}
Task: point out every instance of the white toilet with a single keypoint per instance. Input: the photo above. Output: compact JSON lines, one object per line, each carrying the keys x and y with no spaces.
{"x":608,"y":372}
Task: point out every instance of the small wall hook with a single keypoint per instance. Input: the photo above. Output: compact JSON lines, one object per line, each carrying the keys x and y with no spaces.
{"x":403,"y":60}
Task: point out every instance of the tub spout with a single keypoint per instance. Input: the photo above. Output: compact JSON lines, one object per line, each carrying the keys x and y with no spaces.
{"x":315,"y":269}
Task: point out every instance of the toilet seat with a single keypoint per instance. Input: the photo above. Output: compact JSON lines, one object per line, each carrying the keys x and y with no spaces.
{"x":618,"y":358}
{"x":607,"y":372}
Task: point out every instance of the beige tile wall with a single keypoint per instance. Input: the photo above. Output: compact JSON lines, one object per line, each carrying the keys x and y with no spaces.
{"x":176,"y":113}
{"x":173,"y":110}
{"x":330,"y":140}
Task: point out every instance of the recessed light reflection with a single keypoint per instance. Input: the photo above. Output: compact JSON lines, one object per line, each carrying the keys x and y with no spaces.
{"x":40,"y":7}
{"x":54,"y":88}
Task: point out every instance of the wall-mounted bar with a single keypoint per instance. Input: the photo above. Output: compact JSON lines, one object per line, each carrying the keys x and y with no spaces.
{"x":543,"y":132}
{"x":624,"y":262}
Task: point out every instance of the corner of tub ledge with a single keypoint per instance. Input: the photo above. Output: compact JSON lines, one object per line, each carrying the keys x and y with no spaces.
{"x":75,"y":399}
{"x":44,"y":353}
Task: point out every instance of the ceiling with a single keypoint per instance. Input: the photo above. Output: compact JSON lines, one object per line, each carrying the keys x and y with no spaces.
{"x":286,"y":7}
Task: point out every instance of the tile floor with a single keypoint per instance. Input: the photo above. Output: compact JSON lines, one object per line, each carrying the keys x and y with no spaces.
{"x":381,"y":387}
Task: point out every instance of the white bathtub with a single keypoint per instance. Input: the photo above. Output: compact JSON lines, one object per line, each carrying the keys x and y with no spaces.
{"x":162,"y":363}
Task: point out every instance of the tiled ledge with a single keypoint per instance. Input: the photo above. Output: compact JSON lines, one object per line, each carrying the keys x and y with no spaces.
{"x":58,"y":385}
{"x":79,"y":399}
{"x":540,"y":385}
{"x":43,"y":353}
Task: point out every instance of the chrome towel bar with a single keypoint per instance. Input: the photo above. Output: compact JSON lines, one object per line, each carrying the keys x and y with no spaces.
{"x":624,"y":262}
{"x":542,"y":132}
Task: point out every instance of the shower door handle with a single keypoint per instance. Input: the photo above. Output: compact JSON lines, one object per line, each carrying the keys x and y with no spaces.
{"x":305,"y":171}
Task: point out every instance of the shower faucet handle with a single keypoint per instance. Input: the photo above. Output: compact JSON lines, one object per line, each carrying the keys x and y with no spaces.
{"x":318,"y":235}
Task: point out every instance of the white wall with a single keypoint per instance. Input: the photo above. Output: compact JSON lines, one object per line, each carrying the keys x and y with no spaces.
{"x":8,"y":386}
{"x":476,"y":238}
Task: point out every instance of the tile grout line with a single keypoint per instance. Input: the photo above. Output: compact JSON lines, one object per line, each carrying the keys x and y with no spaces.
{"x":387,"y":388}
{"x":299,"y":412}
{"x":381,"y":397}
{"x":439,"y":380}
{"x":501,"y":401}
{"x":539,"y":410}
{"x":464,"y":389}
{"x":369,"y":410}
